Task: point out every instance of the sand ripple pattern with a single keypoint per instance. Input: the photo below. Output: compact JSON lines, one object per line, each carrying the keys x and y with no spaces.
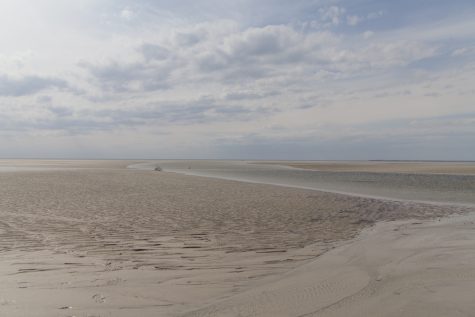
{"x":138,"y":214}
{"x":157,"y":221}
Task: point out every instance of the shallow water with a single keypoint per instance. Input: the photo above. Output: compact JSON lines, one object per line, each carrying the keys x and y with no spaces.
{"x":441,"y":188}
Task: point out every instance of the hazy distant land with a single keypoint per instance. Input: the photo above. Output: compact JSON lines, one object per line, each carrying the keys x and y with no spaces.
{"x":94,"y":238}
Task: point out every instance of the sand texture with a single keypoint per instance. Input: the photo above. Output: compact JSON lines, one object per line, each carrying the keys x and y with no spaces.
{"x":394,"y":269}
{"x":115,"y":242}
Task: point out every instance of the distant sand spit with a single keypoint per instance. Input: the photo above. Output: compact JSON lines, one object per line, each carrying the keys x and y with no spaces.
{"x":114,"y":242}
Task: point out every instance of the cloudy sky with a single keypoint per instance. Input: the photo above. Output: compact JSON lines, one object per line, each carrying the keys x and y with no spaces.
{"x":315,"y":79}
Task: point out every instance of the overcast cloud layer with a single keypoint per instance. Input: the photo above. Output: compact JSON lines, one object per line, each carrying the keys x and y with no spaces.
{"x":265,"y":79}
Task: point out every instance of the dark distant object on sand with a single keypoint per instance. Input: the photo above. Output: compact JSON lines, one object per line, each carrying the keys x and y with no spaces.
{"x":158,"y":169}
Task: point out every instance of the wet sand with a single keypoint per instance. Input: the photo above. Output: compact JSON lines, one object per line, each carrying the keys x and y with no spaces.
{"x":101,"y":240}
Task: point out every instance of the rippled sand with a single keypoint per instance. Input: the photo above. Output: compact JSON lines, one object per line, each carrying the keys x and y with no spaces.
{"x":101,"y":240}
{"x":403,"y":268}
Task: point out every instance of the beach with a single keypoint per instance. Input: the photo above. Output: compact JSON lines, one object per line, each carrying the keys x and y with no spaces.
{"x":94,"y":238}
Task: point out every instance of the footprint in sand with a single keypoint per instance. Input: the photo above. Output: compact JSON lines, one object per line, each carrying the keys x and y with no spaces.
{"x":6,"y":302}
{"x":114,"y":282}
{"x":99,"y":298}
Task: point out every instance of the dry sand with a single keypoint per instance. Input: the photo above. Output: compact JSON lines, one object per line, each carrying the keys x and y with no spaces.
{"x":117,"y":242}
{"x":403,"y":268}
{"x":382,"y":166}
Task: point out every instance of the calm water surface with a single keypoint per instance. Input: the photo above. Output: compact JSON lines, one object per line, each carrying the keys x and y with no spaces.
{"x":443,"y":188}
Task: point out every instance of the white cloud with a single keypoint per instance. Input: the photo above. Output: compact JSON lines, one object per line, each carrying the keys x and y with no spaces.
{"x":127,"y":14}
{"x":353,"y":20}
{"x":183,"y":71}
{"x":368,"y":34}
{"x":463,"y":51}
{"x":375,"y":15}
{"x":332,"y":14}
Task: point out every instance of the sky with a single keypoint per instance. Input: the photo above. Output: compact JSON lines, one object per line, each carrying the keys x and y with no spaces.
{"x":241,"y":79}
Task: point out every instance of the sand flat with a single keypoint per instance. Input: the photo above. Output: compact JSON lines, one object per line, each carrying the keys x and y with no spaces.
{"x":110,"y":241}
